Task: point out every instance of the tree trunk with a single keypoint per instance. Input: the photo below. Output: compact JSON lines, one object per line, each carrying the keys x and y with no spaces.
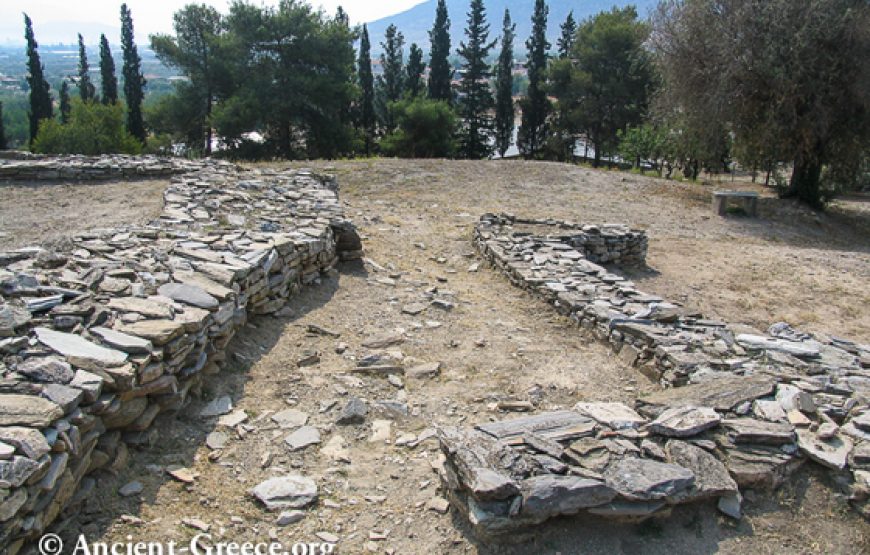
{"x":208,"y":124}
{"x":806,"y":177}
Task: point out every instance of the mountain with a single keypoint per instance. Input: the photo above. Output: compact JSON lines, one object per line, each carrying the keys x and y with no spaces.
{"x":416,"y":22}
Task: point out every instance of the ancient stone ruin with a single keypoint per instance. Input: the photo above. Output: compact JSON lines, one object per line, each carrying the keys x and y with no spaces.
{"x":104,"y":332}
{"x":743,"y":408}
{"x":99,"y":338}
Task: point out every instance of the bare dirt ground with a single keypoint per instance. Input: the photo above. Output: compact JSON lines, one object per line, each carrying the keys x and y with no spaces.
{"x":34,"y":213}
{"x":498,"y":343}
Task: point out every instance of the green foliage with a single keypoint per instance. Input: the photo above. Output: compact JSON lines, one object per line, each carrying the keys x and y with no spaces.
{"x":644,"y":143}
{"x":109,"y":82}
{"x":605,"y":84}
{"x":390,"y":84}
{"x":366,"y":120}
{"x":92,"y":129}
{"x":504,"y":102}
{"x":180,"y":115}
{"x":565,"y":43}
{"x":134,"y":81}
{"x":798,"y":92}
{"x":289,"y":76}
{"x":87,"y":91}
{"x":415,"y":68}
{"x":440,"y":70}
{"x":64,"y":102}
{"x":475,"y":97}
{"x":3,"y":144}
{"x":535,"y":107}
{"x":195,"y":49}
{"x":40,"y":96}
{"x":425,"y":129}
{"x":15,"y":120}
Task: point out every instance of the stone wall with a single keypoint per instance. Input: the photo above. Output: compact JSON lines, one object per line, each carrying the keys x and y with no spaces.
{"x":20,"y":166}
{"x":123,"y":324}
{"x":756,"y":404}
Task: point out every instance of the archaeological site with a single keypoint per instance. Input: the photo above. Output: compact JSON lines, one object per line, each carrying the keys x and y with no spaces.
{"x":334,"y":355}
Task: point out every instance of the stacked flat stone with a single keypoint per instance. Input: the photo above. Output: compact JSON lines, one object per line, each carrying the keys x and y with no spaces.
{"x":121,"y":325}
{"x":822,"y":384}
{"x":91,"y":168}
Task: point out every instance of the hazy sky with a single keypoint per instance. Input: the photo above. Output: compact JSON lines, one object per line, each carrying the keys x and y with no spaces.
{"x":153,"y":16}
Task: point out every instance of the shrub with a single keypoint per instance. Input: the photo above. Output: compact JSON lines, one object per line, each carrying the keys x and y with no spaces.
{"x":425,"y":129}
{"x":92,"y":129}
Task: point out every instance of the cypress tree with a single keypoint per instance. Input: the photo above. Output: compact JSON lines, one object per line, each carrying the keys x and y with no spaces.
{"x":440,"y":72}
{"x":392,"y":60}
{"x":504,"y":102}
{"x":3,"y":144}
{"x":134,"y":81}
{"x":109,"y":82}
{"x":65,"y":106}
{"x":416,"y":67}
{"x":87,"y":91}
{"x":391,"y":84}
{"x":475,"y":97}
{"x":367,"y":91}
{"x":533,"y":129}
{"x":40,"y":94}
{"x":566,"y":40}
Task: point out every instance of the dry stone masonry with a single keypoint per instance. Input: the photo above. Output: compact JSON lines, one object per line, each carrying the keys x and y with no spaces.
{"x":21,"y":166}
{"x":101,"y":335}
{"x":742,"y":408}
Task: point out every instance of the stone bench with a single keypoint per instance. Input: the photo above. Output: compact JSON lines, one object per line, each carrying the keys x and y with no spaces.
{"x":748,"y":201}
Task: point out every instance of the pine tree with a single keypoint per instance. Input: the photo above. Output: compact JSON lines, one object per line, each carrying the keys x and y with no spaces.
{"x":367,"y":91}
{"x":109,"y":83}
{"x":440,"y":72}
{"x":40,"y":94}
{"x":566,"y":41}
{"x":415,"y":68}
{"x":134,"y":81}
{"x":475,"y":100}
{"x":3,"y":144}
{"x":87,"y":91}
{"x":533,"y":130}
{"x":504,"y":81}
{"x":65,"y":106}
{"x":391,"y":85}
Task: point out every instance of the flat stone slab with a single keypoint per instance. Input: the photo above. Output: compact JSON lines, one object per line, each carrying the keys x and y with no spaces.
{"x":217,"y":407}
{"x":613,"y":415}
{"x":550,"y":495}
{"x":794,"y":348}
{"x":832,"y":452}
{"x":302,"y":438}
{"x":555,"y":425}
{"x":27,"y":410}
{"x":722,"y":394}
{"x":28,"y":441}
{"x":188,"y":294}
{"x":159,"y":332}
{"x":145,"y":307}
{"x":290,"y":418}
{"x":123,"y":341}
{"x":711,"y":477}
{"x":46,"y":370}
{"x":684,"y":421}
{"x":643,"y":479}
{"x":749,"y":430}
{"x":76,"y":347}
{"x":286,"y":492}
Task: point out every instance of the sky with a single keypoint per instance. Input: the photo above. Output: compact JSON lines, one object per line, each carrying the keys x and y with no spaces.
{"x":149,"y":16}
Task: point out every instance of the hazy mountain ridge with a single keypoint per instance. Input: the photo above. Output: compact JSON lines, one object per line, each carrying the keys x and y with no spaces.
{"x":416,"y":22}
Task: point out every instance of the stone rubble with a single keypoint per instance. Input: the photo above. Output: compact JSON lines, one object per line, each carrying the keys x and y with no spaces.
{"x":742,"y":409}
{"x":118,"y":326}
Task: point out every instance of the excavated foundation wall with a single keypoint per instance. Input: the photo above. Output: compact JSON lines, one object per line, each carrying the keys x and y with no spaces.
{"x":742,"y":408}
{"x":98,"y":340}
